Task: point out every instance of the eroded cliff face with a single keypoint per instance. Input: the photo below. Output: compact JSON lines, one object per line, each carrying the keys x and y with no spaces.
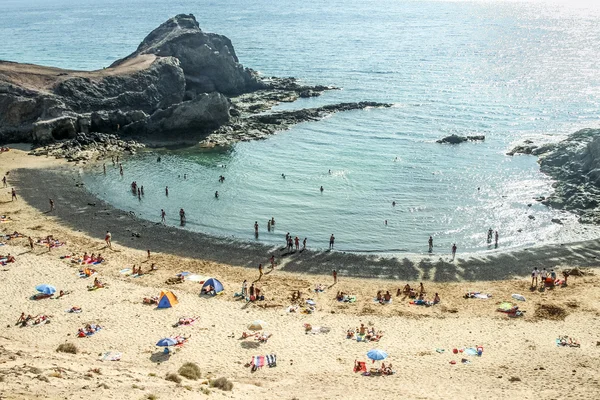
{"x":176,"y":80}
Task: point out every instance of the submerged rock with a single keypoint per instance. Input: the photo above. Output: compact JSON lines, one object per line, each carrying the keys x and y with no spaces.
{"x":455,"y":139}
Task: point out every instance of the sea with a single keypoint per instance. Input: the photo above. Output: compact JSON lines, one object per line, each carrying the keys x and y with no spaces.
{"x":509,"y":70}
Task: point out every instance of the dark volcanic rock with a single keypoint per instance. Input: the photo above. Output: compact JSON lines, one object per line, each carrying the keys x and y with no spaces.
{"x":575,"y":164}
{"x":208,"y":60}
{"x":455,"y":139}
{"x":173,"y":88}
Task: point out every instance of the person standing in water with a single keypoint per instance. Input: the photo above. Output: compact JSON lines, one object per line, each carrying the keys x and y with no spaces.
{"x":51,"y":204}
{"x":297,"y":242}
{"x":430,"y":244}
{"x":331,"y":241}
{"x":255,"y":228}
{"x":273,"y":222}
{"x":142,"y":189}
{"x":163,"y":214}
{"x":167,"y":191}
{"x":181,"y":216}
{"x":321,"y":189}
{"x":120,"y":168}
{"x":489,"y":236}
{"x":496,"y":236}
{"x":304,"y":244}
{"x":269,"y":225}
{"x":453,"y":251}
{"x":217,"y":194}
{"x":104,"y":168}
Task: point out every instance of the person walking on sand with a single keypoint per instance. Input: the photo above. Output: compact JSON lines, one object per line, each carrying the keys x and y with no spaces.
{"x":334,"y":273}
{"x":430,"y":244}
{"x":260,"y":272}
{"x":272,"y":260}
{"x":167,"y":191}
{"x":496,"y":238}
{"x":30,"y":242}
{"x":51,"y":204}
{"x":14,"y":194}
{"x":331,"y":241}
{"x":107,"y":239}
{"x":148,"y":253}
{"x":255,"y":228}
{"x":453,"y":251}
{"x":163,"y":214}
{"x":534,"y":277}
{"x":4,"y":184}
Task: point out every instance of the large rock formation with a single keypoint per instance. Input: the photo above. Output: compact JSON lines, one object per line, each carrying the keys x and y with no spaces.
{"x":174,"y":87}
{"x":208,"y":60}
{"x":575,"y":164}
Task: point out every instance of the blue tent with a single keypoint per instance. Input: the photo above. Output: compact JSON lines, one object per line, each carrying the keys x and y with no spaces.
{"x":167,"y":300}
{"x":216,"y":285}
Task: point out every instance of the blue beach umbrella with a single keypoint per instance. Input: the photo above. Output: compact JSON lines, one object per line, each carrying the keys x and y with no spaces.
{"x":377,"y":354}
{"x":166,"y":342}
{"x":45,"y":289}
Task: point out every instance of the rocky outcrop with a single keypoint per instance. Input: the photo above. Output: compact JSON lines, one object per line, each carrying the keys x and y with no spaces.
{"x":261,"y":126}
{"x":575,"y":164}
{"x":455,"y":139}
{"x":90,"y":146}
{"x":208,"y":60}
{"x":175,"y":87}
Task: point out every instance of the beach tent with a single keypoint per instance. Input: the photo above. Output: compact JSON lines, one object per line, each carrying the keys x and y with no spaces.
{"x":218,"y":286}
{"x":166,"y":300}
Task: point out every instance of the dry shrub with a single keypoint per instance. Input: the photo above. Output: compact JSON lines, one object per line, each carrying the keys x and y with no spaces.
{"x":572,"y":304}
{"x":190,"y":370}
{"x":514,"y":379}
{"x":222,"y":383}
{"x":205,"y":390}
{"x":449,"y":310}
{"x":67,"y":348}
{"x":173,"y":378}
{"x":551,"y":312}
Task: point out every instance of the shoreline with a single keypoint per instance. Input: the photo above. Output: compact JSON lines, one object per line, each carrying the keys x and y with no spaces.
{"x":74,"y":209}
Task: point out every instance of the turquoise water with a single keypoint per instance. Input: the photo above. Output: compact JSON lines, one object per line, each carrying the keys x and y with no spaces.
{"x":507,"y":70}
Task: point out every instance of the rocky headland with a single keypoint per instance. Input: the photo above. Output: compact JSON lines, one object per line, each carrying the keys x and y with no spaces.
{"x":575,"y":165}
{"x":181,"y":85}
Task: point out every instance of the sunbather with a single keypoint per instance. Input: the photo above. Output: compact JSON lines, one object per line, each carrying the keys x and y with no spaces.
{"x":97,"y":283}
{"x":378,"y":296}
{"x":150,"y":300}
{"x":436,"y":299}
{"x":363,"y":329}
{"x":387,"y":297}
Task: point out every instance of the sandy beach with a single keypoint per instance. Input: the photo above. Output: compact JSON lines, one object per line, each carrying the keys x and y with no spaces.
{"x":520,"y":355}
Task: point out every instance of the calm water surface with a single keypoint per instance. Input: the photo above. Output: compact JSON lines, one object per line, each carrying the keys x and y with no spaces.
{"x":506,"y":70}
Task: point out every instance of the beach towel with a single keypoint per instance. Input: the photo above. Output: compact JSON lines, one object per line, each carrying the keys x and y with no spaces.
{"x":348,"y":299}
{"x":360,"y":366}
{"x":518,"y":297}
{"x":470,"y":351}
{"x":125,"y":271}
{"x":195,"y":278}
{"x":382,"y":301}
{"x":506,"y":307}
{"x":186,"y":321}
{"x":257,"y":362}
{"x":567,"y":341}
{"x":318,"y":329}
{"x":311,"y":302}
{"x":111,"y":356}
{"x":71,"y":310}
{"x":271,"y":360}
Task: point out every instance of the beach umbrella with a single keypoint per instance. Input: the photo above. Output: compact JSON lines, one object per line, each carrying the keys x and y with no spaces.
{"x":377,"y":354}
{"x":257,"y":325}
{"x":46,"y":289}
{"x":166,"y":342}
